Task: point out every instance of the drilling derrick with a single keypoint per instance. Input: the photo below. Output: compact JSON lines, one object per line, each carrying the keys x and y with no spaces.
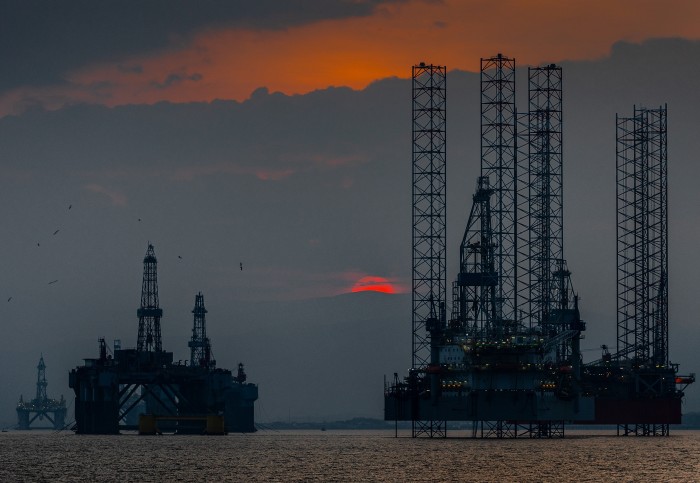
{"x":41,"y":380}
{"x":200,"y":347}
{"x":149,"y":313}
{"x":477,"y":279}
{"x":41,"y":406}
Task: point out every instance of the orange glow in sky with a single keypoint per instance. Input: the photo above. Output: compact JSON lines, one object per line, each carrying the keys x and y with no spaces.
{"x":231,"y":63}
{"x":373,"y":284}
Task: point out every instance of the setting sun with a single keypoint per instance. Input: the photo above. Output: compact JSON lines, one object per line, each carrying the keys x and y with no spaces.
{"x":373,"y":284}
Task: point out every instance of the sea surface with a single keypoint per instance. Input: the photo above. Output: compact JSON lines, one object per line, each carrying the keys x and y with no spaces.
{"x":284,"y":456}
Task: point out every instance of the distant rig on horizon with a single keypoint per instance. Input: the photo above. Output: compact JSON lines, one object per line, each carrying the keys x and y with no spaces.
{"x":506,"y":355}
{"x":41,"y":406}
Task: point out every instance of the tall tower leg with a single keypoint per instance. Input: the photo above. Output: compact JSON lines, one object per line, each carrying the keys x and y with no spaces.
{"x":429,"y":223}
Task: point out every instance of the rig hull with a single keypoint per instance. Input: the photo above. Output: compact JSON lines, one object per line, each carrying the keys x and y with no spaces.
{"x":531,"y":407}
{"x":489,"y":406}
{"x":109,"y":391}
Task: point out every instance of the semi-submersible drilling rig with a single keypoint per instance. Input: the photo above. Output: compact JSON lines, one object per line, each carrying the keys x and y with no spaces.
{"x":195,"y":397}
{"x":508,"y":358}
{"x":42,"y":406}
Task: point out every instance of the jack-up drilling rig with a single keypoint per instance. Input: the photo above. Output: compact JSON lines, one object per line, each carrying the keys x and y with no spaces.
{"x":188,"y":398}
{"x":509,"y":357}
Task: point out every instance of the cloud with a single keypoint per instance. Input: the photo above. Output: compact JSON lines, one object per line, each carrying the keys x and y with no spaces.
{"x":347,"y":42}
{"x":115,"y":197}
{"x":188,"y":173}
{"x":271,"y":137}
{"x":176,"y":78}
{"x":130,"y":69}
{"x":273,"y":175}
{"x":41,"y":41}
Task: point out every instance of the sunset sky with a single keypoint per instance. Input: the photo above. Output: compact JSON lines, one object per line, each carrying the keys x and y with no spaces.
{"x":276,"y":134}
{"x":116,"y":53}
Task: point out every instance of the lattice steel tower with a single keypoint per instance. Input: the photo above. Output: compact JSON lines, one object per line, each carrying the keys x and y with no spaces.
{"x":200,"y":347}
{"x":642,"y":238}
{"x":429,"y":222}
{"x":41,"y":380}
{"x":149,"y":313}
{"x":546,"y":244}
{"x":498,"y":164}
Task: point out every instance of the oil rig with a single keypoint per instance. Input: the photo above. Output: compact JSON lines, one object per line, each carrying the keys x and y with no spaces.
{"x":41,"y":406}
{"x":145,"y":385}
{"x":506,"y":356}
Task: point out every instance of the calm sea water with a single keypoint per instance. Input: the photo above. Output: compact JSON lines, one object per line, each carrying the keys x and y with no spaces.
{"x":346,"y":456}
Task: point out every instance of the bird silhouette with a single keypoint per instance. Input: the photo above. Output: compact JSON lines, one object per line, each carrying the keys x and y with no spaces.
{"x":9,"y":299}
{"x":70,"y":206}
{"x":53,"y":281}
{"x":241,"y":266}
{"x":179,"y":257}
{"x":56,"y":231}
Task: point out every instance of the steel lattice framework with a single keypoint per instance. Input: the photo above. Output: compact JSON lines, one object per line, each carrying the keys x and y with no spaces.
{"x":200,"y":347}
{"x":41,"y":380}
{"x":429,"y":215}
{"x":149,"y":313}
{"x":546,"y":244}
{"x":523,"y":218}
{"x":477,"y":280}
{"x":642,"y":237}
{"x":498,"y":164}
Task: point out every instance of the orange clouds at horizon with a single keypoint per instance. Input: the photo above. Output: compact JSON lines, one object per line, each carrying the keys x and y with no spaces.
{"x":231,"y":64}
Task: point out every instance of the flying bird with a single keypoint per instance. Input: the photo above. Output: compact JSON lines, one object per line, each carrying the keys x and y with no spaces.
{"x":38,"y":244}
{"x":179,"y":257}
{"x":9,"y":299}
{"x":53,"y":281}
{"x":70,"y":206}
{"x":139,"y":219}
{"x":56,"y":231}
{"x":241,"y":266}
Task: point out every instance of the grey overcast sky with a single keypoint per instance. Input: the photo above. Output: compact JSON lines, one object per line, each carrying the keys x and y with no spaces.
{"x":277,"y":135}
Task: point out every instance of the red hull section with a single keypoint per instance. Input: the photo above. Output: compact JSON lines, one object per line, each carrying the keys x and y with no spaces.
{"x":636,"y":411}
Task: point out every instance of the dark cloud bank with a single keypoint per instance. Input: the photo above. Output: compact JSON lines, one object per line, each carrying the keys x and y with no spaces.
{"x":301,"y":189}
{"x":40,"y":41}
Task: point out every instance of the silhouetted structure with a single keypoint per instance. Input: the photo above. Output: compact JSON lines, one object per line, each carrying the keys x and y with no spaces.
{"x":149,"y":313}
{"x":429,"y":217}
{"x":498,"y":165}
{"x":41,"y":406}
{"x":187,"y":398}
{"x":200,"y":347}
{"x":509,"y":358}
